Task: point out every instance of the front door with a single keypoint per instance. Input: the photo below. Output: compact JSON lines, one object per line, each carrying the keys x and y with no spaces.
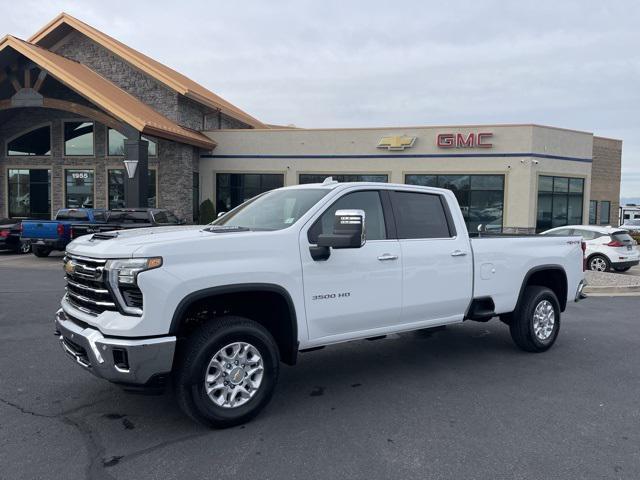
{"x":356,"y":290}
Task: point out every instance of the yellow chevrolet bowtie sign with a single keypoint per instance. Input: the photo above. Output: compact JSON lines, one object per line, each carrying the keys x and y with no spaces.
{"x":396,"y":142}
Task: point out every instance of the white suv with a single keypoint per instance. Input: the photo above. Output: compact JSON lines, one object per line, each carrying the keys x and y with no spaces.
{"x":607,"y":247}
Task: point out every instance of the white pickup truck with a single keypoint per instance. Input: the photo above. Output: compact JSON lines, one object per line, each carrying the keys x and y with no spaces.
{"x":216,"y":308}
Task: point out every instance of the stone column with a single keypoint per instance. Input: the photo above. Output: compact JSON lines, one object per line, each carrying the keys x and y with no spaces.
{"x":136,"y":189}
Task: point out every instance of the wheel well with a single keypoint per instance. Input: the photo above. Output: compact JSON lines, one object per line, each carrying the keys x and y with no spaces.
{"x":271,"y":308}
{"x":553,"y":278}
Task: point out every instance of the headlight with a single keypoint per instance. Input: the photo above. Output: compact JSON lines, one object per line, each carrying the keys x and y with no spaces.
{"x":125,"y":272}
{"x":122,"y":276}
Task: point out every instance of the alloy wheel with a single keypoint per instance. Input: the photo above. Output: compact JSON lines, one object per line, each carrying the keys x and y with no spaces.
{"x":234,"y":375}
{"x":544,"y":320}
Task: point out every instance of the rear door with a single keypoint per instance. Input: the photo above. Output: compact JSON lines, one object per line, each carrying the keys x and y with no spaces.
{"x":355,"y":290}
{"x":437,"y":278}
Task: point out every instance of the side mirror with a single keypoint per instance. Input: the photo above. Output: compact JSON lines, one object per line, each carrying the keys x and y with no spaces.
{"x":348,"y":230}
{"x":221,"y":214}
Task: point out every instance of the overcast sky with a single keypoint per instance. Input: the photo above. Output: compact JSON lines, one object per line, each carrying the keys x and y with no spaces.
{"x":573,"y":64}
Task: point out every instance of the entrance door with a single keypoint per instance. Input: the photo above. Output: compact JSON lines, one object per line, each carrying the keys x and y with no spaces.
{"x":355,"y":289}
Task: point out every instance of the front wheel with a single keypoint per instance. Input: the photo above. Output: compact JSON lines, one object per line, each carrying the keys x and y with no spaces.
{"x":536,"y":322}
{"x":40,"y":251}
{"x":25,"y":247}
{"x":227,"y":371}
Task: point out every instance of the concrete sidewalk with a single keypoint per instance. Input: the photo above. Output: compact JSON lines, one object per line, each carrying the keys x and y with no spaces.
{"x":601,"y":283}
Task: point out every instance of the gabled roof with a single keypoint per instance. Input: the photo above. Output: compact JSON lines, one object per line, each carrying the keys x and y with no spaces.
{"x":105,"y":94}
{"x":59,"y":27}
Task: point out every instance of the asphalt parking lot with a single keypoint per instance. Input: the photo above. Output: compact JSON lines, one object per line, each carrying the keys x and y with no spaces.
{"x":461,"y":403}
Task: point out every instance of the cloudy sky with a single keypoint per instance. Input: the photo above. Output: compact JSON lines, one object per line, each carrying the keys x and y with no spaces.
{"x":573,"y":64}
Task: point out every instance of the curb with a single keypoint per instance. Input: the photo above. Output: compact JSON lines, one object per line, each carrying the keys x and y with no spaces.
{"x":612,"y":290}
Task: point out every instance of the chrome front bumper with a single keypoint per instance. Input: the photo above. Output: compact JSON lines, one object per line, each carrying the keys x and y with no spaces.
{"x":128,"y":361}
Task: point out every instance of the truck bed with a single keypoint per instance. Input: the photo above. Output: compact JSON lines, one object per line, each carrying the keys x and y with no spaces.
{"x":498,"y":259}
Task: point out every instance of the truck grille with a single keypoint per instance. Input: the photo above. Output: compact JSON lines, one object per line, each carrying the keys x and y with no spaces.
{"x":86,"y":286}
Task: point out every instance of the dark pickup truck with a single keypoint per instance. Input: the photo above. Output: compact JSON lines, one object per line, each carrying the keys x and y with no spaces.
{"x":48,"y":235}
{"x":127,"y":218}
{"x":10,"y":230}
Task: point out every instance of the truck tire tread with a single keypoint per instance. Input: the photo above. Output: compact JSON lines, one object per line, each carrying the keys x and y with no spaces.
{"x":208,"y":337}
{"x":521,"y":322}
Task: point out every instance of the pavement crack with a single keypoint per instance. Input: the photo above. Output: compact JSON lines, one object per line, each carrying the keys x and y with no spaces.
{"x":95,"y":449}
{"x":158,"y":446}
{"x":24,"y":410}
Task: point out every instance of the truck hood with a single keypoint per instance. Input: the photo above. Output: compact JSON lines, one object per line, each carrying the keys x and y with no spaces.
{"x":143,"y":241}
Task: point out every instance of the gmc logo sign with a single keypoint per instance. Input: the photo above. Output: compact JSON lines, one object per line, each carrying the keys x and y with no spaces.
{"x":459,"y":140}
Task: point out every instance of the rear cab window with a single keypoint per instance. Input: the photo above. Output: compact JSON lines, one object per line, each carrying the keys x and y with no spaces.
{"x":421,"y":215}
{"x":81,"y":215}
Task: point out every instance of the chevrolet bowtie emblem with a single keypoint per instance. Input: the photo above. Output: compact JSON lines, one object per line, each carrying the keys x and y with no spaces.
{"x":396,"y":142}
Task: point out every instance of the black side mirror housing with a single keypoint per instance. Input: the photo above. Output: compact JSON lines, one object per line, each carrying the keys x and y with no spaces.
{"x":348,"y":230}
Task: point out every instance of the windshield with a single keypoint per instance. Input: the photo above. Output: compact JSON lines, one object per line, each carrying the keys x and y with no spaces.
{"x":273,"y":210}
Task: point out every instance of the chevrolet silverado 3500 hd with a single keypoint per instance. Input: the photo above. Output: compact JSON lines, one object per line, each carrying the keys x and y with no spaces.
{"x":214,"y":309}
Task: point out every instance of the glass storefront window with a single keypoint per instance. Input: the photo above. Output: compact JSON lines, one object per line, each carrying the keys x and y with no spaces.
{"x":593,"y":211}
{"x":115,"y":180}
{"x":116,"y":144}
{"x":29,"y":193}
{"x":315,"y":178}
{"x":232,"y":189}
{"x":79,"y":188}
{"x":36,"y":142}
{"x":605,"y":212}
{"x":560,"y":201}
{"x":481,"y":197}
{"x":78,"y":138}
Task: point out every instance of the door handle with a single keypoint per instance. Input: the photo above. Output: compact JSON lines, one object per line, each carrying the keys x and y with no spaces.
{"x":458,"y":253}
{"x":387,"y":256}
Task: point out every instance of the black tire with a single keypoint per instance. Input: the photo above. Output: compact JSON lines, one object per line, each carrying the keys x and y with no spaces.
{"x":598,"y":259}
{"x":522,"y":322}
{"x":25,"y":247}
{"x":621,"y":269}
{"x":193,"y":361}
{"x":40,"y":251}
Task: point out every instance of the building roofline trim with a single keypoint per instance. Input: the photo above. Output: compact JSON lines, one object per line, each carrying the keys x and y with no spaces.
{"x":406,"y":127}
{"x":166,"y":75}
{"x":105,"y":94}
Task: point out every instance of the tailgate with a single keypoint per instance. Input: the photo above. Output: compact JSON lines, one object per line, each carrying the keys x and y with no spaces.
{"x":80,"y":229}
{"x":40,"y":229}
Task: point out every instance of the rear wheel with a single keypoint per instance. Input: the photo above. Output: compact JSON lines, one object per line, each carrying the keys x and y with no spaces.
{"x":621,"y":269}
{"x":40,"y":251}
{"x":599,"y":263}
{"x":535,"y":324}
{"x":227,"y":371}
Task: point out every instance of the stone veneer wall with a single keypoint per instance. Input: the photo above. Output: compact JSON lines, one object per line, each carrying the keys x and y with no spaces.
{"x":606,"y":175}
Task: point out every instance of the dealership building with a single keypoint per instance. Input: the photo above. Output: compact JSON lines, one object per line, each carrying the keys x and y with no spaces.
{"x":87,"y":121}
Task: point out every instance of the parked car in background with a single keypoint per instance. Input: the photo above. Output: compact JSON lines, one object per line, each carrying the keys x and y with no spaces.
{"x":127,"y":218}
{"x":607,"y":247}
{"x":632,"y":225}
{"x":10,"y":236}
{"x":48,"y":235}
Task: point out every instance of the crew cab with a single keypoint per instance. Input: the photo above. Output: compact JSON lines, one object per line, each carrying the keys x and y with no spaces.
{"x":214,"y":309}
{"x":48,"y":235}
{"x":127,"y":218}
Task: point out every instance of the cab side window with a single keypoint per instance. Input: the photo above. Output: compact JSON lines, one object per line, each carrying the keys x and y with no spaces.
{"x":420,"y":215}
{"x":369,"y":201}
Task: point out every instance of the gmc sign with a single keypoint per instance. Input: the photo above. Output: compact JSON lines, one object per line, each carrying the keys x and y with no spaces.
{"x":459,"y":140}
